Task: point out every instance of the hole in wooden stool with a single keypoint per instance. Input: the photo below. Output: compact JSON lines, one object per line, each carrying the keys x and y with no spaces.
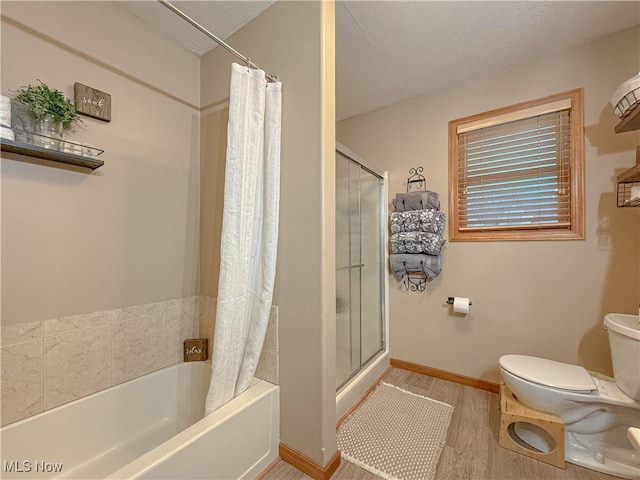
{"x":531,"y":437}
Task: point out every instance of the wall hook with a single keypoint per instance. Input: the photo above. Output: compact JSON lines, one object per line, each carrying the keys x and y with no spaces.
{"x":416,"y":181}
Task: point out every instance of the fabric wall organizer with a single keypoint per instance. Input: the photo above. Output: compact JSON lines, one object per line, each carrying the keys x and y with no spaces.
{"x":416,"y":239}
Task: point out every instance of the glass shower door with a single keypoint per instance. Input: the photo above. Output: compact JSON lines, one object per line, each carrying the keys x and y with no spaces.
{"x":359,"y":267}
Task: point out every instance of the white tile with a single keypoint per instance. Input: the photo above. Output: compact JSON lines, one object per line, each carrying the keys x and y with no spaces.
{"x":137,"y":311}
{"x":177,"y":326}
{"x":268,"y":365}
{"x":184,"y":303}
{"x":137,"y":348}
{"x":76,"y":364}
{"x":57,"y":326}
{"x":21,"y":381}
{"x":206,"y":316}
{"x":19,"y":333}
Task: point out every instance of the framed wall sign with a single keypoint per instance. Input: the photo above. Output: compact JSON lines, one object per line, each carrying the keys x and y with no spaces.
{"x":91,"y":102}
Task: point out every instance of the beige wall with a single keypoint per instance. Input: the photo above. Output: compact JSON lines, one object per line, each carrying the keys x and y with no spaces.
{"x":287,"y":40}
{"x":128,"y":234}
{"x":75,"y":242}
{"x":98,"y":268}
{"x":537,"y":298}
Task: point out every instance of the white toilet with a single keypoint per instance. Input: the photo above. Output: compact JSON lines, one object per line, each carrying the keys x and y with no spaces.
{"x":597,"y":413}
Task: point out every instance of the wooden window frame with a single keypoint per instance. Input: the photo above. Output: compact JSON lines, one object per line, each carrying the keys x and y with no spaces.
{"x":577,"y":229}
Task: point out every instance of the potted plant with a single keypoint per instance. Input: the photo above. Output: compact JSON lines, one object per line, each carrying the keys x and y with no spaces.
{"x":51,"y":110}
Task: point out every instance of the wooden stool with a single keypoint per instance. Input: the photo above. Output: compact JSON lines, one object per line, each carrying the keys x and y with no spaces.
{"x":511,"y":411}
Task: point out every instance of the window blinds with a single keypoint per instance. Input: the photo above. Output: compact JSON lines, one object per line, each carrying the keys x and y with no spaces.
{"x":516,"y":174}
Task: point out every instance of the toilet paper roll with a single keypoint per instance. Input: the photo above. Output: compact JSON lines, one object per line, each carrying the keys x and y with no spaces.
{"x":461,"y":305}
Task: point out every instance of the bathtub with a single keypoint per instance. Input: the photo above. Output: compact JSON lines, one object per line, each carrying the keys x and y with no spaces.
{"x":148,"y":428}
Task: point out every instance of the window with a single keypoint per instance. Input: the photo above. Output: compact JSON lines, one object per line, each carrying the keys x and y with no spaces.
{"x":516,"y":173}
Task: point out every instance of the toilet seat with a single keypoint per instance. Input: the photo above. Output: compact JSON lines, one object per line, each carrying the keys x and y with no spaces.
{"x":550,"y":373}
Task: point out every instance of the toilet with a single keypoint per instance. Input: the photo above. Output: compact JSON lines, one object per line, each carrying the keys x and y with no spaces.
{"x":597,"y":413}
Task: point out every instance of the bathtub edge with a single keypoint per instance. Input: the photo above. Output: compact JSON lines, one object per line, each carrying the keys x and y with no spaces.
{"x":152,"y":459}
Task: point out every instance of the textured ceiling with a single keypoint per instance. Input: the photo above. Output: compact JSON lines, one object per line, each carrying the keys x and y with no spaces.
{"x":388,"y":51}
{"x":222,"y":18}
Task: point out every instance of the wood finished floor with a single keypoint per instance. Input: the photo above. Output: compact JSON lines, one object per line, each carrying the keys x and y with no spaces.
{"x":471,"y":450}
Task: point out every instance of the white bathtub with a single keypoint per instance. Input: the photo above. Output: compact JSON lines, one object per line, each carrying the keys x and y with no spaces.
{"x":151,"y":427}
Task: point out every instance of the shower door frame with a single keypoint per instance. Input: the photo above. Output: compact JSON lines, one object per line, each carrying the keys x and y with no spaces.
{"x":381,"y":357}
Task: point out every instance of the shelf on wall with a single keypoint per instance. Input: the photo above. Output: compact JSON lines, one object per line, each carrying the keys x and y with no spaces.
{"x":631,"y":121}
{"x":630,"y":175}
{"x":628,"y":185}
{"x":628,"y":182}
{"x":51,"y":154}
{"x":628,"y":194}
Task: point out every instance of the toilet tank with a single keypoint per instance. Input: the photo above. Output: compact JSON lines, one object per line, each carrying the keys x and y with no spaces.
{"x":624,"y":340}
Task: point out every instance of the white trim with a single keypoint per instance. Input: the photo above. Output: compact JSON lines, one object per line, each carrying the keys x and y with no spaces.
{"x":559,"y":105}
{"x":351,"y":393}
{"x":340,"y":148}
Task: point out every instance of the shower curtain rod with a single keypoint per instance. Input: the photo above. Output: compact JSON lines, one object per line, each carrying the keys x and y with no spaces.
{"x":248,"y":62}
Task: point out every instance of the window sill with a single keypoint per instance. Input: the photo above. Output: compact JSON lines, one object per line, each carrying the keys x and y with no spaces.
{"x":515,"y":235}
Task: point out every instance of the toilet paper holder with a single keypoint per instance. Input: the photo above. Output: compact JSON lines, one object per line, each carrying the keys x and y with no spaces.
{"x":450,"y":301}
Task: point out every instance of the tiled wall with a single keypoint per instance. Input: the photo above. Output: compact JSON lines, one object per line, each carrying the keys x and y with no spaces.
{"x":268,"y":365}
{"x":48,"y":363}
{"x":268,"y":368}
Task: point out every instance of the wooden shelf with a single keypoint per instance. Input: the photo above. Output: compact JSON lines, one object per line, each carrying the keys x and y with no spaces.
{"x":631,"y":121}
{"x":48,"y":154}
{"x":631,"y":175}
{"x":629,"y":180}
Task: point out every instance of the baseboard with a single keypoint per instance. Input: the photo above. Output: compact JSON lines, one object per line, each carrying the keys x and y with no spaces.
{"x":444,"y":375}
{"x":308,"y":466}
{"x":364,"y":395}
{"x":262,"y":474}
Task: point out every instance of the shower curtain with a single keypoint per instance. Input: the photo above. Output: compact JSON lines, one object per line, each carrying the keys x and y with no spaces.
{"x":249,"y":233}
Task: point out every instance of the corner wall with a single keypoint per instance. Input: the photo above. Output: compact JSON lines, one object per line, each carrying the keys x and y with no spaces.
{"x":544,"y":298}
{"x":295,"y":41}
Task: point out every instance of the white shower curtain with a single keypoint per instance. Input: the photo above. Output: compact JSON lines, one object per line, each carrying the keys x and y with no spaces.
{"x":249,"y":233}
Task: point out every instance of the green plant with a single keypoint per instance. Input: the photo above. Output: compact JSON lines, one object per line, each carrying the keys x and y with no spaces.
{"x":42,"y":100}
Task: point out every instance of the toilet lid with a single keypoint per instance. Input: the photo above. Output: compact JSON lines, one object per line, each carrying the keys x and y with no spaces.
{"x":548,"y":372}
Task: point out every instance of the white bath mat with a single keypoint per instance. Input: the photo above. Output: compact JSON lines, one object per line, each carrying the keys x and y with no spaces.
{"x":396,"y":434}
